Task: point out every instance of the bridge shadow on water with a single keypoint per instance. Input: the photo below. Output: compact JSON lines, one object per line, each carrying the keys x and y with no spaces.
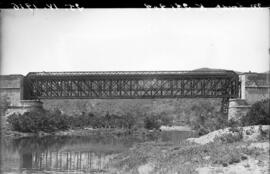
{"x":71,"y":154}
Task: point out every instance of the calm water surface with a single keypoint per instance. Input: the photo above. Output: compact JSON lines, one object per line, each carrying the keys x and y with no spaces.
{"x":61,"y":155}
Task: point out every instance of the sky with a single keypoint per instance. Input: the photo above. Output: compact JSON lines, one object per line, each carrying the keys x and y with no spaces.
{"x":134,"y":39}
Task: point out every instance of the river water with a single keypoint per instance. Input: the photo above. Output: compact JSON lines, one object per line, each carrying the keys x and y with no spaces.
{"x":71,"y":154}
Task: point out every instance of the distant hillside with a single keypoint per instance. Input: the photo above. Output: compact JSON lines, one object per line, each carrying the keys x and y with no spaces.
{"x":208,"y":69}
{"x":213,"y":69}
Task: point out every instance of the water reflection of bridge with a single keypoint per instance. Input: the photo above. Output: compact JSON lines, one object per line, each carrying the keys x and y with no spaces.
{"x":67,"y":161}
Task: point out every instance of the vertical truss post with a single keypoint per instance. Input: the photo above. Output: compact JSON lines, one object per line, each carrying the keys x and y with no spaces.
{"x":225,"y":105}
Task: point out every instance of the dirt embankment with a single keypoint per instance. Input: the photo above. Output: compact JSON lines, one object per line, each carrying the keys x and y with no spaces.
{"x":254,"y":140}
{"x":248,"y":133}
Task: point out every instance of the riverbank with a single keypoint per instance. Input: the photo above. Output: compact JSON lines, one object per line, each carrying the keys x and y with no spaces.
{"x":8,"y":133}
{"x":227,"y":153}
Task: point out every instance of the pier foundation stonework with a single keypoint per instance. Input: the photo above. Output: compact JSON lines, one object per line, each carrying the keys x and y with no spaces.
{"x":21,"y":107}
{"x":238,"y":108}
{"x":25,"y":106}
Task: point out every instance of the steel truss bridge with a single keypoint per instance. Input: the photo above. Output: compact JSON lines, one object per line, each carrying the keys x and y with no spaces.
{"x":132,"y":85}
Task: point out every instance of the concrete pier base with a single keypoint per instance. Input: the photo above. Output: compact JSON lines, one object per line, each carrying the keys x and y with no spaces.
{"x":238,"y":108}
{"x":25,"y":106}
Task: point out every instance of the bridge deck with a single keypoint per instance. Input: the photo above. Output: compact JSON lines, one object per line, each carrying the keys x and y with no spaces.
{"x":131,"y":73}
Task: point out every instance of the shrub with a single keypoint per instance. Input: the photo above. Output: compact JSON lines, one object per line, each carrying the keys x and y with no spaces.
{"x":58,"y":121}
{"x":258,"y":114}
{"x":152,"y":122}
{"x":82,"y":120}
{"x":110,"y":121}
{"x":129,"y":121}
{"x":165,"y":119}
{"x":36,"y":121}
{"x":208,"y":122}
{"x":205,"y":117}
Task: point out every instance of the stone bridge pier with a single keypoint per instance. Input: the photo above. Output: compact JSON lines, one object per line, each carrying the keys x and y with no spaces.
{"x":254,"y":87}
{"x":238,"y":108}
{"x":11,"y":96}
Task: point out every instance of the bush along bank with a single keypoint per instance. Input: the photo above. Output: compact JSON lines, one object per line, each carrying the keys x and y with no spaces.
{"x":210,"y":120}
{"x":53,"y":121}
{"x":259,"y":114}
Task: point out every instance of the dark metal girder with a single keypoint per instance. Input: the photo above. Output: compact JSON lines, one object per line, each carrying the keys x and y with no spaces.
{"x":187,"y":85}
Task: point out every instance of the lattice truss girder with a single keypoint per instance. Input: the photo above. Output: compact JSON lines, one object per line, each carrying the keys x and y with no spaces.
{"x":216,"y":87}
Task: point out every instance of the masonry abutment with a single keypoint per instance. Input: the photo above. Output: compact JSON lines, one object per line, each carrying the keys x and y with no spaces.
{"x":238,"y":108}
